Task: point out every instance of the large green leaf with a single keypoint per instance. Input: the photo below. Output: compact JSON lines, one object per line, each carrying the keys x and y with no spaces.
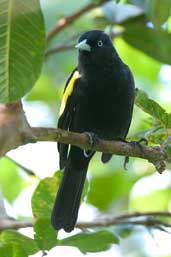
{"x":158,"y":11}
{"x":91,"y":241}
{"x":109,"y":186}
{"x":22,"y":44}
{"x":151,"y":67}
{"x":18,"y":240}
{"x":155,"y":43}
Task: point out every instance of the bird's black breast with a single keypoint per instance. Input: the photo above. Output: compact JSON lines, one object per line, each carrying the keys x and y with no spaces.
{"x":106,"y":105}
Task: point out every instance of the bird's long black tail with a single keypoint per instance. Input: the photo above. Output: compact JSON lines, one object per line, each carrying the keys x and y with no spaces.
{"x":65,"y":210}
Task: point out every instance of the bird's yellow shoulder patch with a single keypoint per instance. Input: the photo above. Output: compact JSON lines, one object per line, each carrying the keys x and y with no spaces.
{"x":68,"y":90}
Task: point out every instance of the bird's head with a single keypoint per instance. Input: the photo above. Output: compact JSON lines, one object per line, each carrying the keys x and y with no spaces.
{"x":95,"y":47}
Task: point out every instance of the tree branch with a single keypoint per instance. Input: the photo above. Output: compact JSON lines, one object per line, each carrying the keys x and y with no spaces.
{"x":15,"y":224}
{"x":66,"y":21}
{"x":60,"y":48}
{"x":15,"y":131}
{"x":65,"y":46}
{"x":156,"y":154}
{"x":107,"y":223}
{"x":148,"y":219}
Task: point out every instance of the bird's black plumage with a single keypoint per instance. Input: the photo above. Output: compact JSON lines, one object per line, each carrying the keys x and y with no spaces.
{"x":98,"y":97}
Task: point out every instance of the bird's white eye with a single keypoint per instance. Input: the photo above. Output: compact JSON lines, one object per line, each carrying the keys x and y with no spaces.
{"x":99,"y":43}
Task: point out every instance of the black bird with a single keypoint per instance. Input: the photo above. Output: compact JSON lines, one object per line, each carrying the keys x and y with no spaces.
{"x":98,"y":98}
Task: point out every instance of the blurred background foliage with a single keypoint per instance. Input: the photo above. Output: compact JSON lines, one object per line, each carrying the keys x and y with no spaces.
{"x":141,"y":32}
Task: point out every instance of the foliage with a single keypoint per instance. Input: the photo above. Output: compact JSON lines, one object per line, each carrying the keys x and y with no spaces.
{"x":22,"y":33}
{"x":91,"y":242}
{"x":141,"y":31}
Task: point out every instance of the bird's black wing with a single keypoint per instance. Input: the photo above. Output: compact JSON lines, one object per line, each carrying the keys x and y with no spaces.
{"x":129,"y":80}
{"x":66,"y":113}
{"x":131,"y":85}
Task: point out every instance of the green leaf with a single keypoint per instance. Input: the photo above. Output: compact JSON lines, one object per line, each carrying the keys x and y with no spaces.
{"x":153,"y":108}
{"x":168,"y":150}
{"x":13,"y":237}
{"x":45,"y":235}
{"x":6,"y":250}
{"x":7,"y":176}
{"x":115,"y":184}
{"x":157,"y":200}
{"x":158,"y":11}
{"x":22,"y":47}
{"x":41,"y":92}
{"x":19,"y":251}
{"x":151,"y":41}
{"x":44,"y":196}
{"x":151,"y":67}
{"x":12,"y":249}
{"x":154,"y":135}
{"x":91,"y":241}
{"x":45,"y":193}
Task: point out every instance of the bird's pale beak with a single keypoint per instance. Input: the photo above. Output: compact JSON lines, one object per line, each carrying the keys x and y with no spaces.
{"x":83,"y":46}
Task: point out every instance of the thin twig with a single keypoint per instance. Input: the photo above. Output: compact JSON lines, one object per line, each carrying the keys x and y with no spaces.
{"x":66,"y":47}
{"x":66,"y":21}
{"x":28,"y":171}
{"x":14,"y":224}
{"x":58,"y":49}
{"x":146,"y":222}
{"x":130,"y":218}
{"x":141,"y":214}
{"x":147,"y":219}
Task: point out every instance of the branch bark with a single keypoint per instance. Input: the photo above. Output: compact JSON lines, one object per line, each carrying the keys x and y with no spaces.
{"x":148,"y":219}
{"x":15,"y":131}
{"x":156,"y":154}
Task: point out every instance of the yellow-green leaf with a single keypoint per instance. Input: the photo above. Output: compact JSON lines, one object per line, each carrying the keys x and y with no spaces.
{"x":91,"y":241}
{"x":44,"y":196}
{"x":15,"y":238}
{"x":45,"y":235}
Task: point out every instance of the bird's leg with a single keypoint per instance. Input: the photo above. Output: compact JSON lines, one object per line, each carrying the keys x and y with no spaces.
{"x":138,"y":143}
{"x":143,"y":140}
{"x":135,"y":144}
{"x":126,"y":161}
{"x":93,"y":141}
